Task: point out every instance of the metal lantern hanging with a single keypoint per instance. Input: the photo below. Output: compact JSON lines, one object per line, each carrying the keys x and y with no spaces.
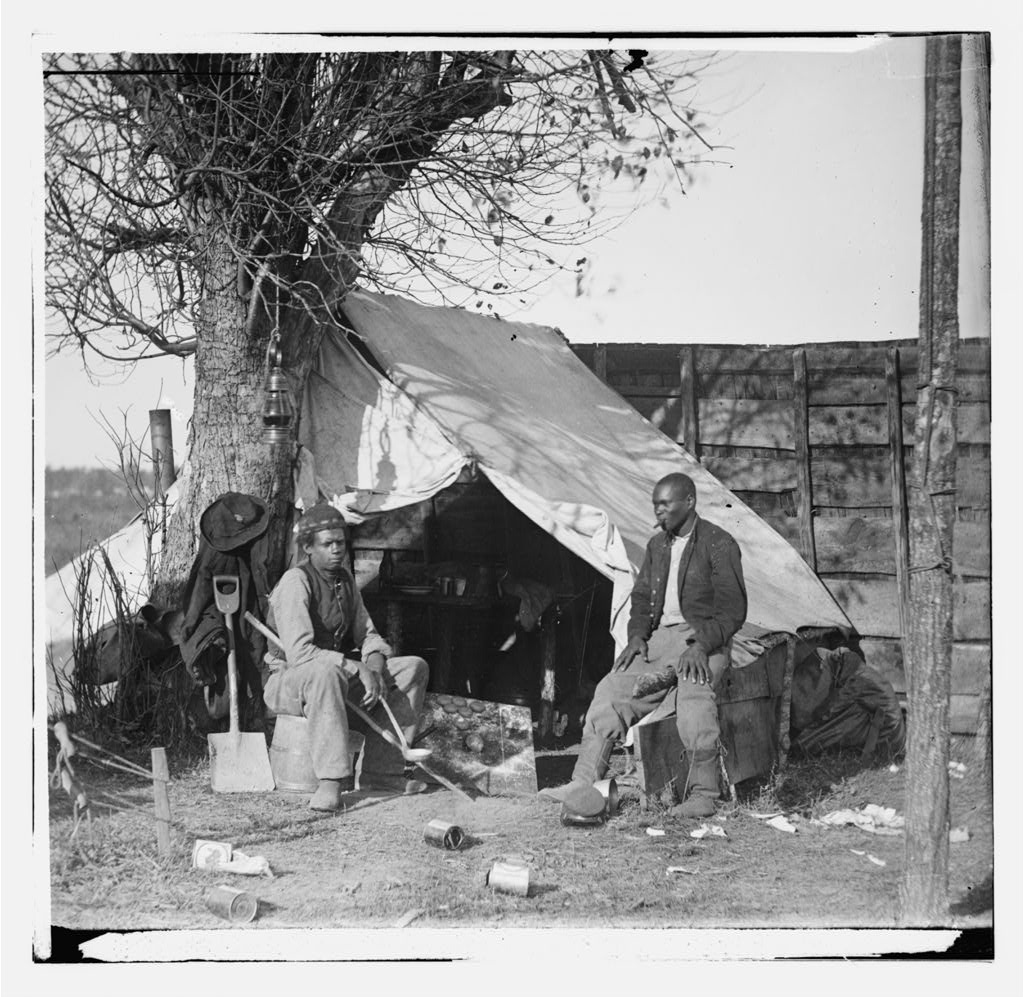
{"x":277,"y":405}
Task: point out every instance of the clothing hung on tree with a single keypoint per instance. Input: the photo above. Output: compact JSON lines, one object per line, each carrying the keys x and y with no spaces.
{"x":233,"y":541}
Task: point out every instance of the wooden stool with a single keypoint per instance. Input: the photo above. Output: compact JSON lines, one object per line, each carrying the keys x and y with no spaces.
{"x":291,"y":762}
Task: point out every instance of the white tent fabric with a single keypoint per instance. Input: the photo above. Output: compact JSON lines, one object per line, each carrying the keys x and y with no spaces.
{"x":513,"y":400}
{"x":126,"y":551}
{"x":560,"y":445}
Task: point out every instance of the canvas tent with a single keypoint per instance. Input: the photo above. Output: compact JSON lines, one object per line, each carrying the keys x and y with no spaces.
{"x":393,"y":413}
{"x":453,"y":388}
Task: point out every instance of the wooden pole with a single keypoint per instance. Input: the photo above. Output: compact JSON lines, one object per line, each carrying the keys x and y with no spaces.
{"x":897,"y":472}
{"x":784,"y":706}
{"x":161,"y":801}
{"x":547,"y":684}
{"x":163,"y":450}
{"x":601,"y":361}
{"x":803,"y":458}
{"x":688,"y":434}
{"x":924,"y":889}
{"x":983,"y":736}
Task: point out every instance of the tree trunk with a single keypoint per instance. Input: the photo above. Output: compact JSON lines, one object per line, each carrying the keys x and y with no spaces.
{"x":226,"y":450}
{"x":924,"y":889}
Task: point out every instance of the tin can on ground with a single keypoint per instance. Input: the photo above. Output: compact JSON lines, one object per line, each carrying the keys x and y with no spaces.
{"x":571,"y":819}
{"x":443,"y":835}
{"x":610,"y":791}
{"x":509,"y":877}
{"x":208,"y":854}
{"x":231,"y":904}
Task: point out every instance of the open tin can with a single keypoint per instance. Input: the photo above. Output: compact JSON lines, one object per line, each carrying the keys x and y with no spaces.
{"x":610,"y":791}
{"x":441,"y":834}
{"x":231,"y":904}
{"x":571,"y":819}
{"x":509,"y":877}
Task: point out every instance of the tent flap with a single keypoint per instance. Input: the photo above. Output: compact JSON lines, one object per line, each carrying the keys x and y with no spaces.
{"x":567,"y":451}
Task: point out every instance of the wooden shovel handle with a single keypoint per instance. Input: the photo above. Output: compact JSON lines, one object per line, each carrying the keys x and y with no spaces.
{"x":232,"y":675}
{"x":264,"y":629}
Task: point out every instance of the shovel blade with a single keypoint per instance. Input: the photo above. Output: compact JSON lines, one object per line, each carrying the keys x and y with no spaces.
{"x":239,"y":763}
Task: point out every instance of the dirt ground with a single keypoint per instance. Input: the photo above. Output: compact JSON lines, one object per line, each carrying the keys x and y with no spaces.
{"x":370,"y":866}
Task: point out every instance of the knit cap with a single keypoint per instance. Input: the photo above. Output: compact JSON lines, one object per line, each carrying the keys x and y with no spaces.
{"x":322,"y":516}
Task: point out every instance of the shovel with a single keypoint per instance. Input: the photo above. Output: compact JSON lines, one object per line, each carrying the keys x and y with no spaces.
{"x":239,"y":762}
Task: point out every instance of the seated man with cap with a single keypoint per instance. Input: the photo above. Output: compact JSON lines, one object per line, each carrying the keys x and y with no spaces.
{"x":319,"y":615}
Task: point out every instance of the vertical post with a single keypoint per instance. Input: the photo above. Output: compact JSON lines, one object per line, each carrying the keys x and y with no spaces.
{"x":161,"y":801}
{"x":787,"y":696}
{"x":689,"y":413}
{"x":163,"y":450}
{"x":803,"y":458}
{"x":601,"y":361}
{"x":983,"y":735}
{"x":393,"y":622}
{"x":445,"y":670}
{"x":547,"y":684}
{"x":924,"y":889}
{"x":901,"y":539}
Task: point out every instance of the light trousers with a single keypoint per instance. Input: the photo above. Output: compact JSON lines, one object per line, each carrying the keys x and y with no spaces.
{"x":319,"y":693}
{"x":614,"y":710}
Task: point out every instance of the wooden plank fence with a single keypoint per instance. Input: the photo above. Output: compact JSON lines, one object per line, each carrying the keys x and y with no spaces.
{"x":814,"y":439}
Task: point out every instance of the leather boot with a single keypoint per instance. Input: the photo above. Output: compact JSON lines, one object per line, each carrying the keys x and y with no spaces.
{"x":591,"y":766}
{"x":328,"y":796}
{"x":703,"y":784}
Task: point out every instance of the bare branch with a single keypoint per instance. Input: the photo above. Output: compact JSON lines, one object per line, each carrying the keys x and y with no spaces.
{"x":311,"y":170}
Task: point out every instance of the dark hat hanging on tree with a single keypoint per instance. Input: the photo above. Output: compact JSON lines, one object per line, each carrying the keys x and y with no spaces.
{"x":233,"y":520}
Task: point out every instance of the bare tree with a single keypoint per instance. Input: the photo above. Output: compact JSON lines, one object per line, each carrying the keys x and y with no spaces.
{"x":216,"y":204}
{"x":924,"y":890}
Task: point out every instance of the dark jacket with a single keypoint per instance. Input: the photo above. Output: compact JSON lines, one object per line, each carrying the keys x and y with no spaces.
{"x":203,"y":626}
{"x":712,"y":595}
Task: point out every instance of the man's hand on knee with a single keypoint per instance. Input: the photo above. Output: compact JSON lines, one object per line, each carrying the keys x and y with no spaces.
{"x":636,"y":645}
{"x":373,"y":682}
{"x":693,"y":665}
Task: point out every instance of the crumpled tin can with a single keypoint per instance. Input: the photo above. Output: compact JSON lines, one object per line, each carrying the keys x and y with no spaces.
{"x":231,"y":904}
{"x":441,"y":834}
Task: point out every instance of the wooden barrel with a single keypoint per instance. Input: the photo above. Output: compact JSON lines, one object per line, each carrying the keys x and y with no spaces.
{"x":290,"y":759}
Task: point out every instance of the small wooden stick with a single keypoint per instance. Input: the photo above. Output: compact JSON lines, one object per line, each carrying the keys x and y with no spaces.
{"x":79,"y":797}
{"x":161,"y":801}
{"x":784,"y":706}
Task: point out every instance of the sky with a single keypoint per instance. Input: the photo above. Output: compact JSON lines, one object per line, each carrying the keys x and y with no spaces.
{"x":806,"y":230}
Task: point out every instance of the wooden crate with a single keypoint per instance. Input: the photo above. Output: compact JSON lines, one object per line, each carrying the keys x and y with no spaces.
{"x":750,"y":702}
